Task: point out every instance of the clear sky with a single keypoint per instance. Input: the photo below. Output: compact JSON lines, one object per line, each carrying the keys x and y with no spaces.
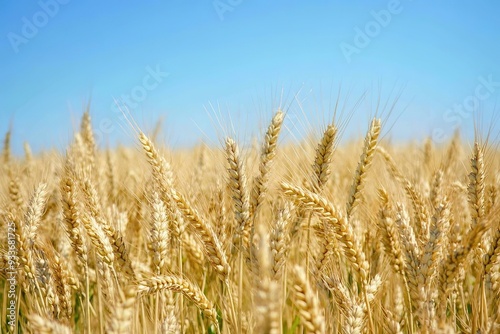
{"x":178,"y":58}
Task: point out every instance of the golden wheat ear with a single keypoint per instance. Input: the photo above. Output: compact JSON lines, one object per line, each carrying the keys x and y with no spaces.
{"x":323,"y":159}
{"x":128,"y":240}
{"x":267,"y":157}
{"x":307,"y":302}
{"x":6,"y":151}
{"x":181,"y":285}
{"x":211,"y":244}
{"x":238,"y":186}
{"x":342,"y":229}
{"x":366,"y":158}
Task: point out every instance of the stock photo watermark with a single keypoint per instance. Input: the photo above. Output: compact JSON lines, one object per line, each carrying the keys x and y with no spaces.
{"x":456,"y":115}
{"x":223,"y":6}
{"x":11,"y":273}
{"x":153,"y":78}
{"x":371,"y":30}
{"x":31,"y":26}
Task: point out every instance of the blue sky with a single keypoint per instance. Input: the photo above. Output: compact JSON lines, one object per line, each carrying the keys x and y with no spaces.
{"x":176,"y":59}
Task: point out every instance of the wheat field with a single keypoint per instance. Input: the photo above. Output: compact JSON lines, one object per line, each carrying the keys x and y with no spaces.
{"x":309,"y":237}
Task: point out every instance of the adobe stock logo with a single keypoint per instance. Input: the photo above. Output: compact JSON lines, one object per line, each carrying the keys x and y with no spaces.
{"x":455,"y":116}
{"x":223,"y":6}
{"x":373,"y":28}
{"x":30,"y":27}
{"x":131,"y":99}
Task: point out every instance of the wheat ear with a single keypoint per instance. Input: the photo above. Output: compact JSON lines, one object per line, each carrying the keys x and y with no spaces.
{"x":267,"y":292}
{"x":61,"y":281}
{"x":6,"y":152}
{"x":476,"y":185}
{"x":436,"y":193}
{"x":454,"y":261}
{"x":72,"y":212}
{"x":415,"y":197}
{"x":323,"y":159}
{"x":279,"y":243}
{"x":159,"y":233}
{"x":412,"y":254}
{"x":371,"y":140}
{"x":120,"y":320}
{"x":268,"y":153}
{"x":88,"y":138}
{"x":430,"y":259}
{"x":181,"y":285}
{"x":99,"y":240}
{"x":42,"y":325}
{"x":491,"y":261}
{"x":35,"y":211}
{"x":162,"y":171}
{"x":307,"y":302}
{"x":120,"y":249}
{"x":343,"y":230}
{"x":238,"y":186}
{"x":15,"y":195}
{"x":211,"y":243}
{"x":390,"y":235}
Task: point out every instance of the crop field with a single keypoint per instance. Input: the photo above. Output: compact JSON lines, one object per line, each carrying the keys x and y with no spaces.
{"x":313,"y":236}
